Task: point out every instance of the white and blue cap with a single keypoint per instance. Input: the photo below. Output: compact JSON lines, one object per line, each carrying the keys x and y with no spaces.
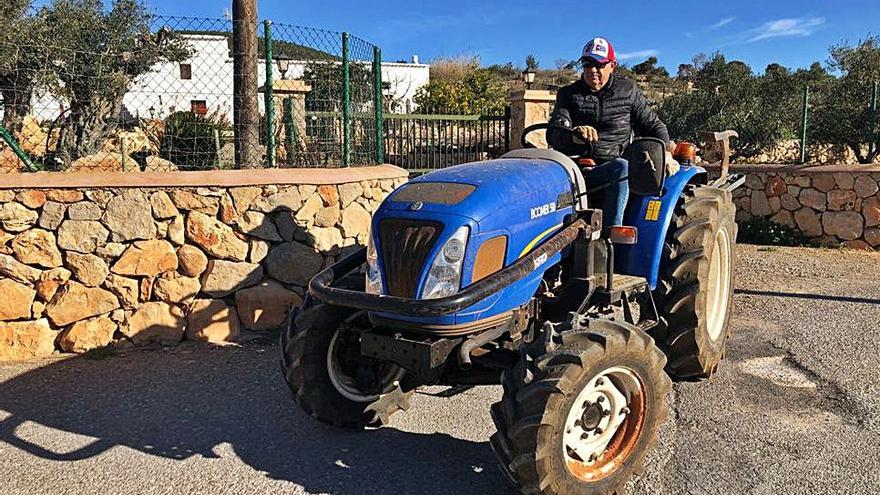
{"x":600,"y":50}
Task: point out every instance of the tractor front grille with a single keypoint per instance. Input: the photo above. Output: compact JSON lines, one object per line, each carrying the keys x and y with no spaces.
{"x":405,"y":245}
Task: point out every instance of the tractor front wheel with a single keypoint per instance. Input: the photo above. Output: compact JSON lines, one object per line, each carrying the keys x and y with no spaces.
{"x":581,"y":417}
{"x":329,"y":378}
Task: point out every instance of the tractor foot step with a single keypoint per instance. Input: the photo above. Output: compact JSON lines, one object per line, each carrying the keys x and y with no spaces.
{"x":620,"y":285}
{"x":627,"y":283}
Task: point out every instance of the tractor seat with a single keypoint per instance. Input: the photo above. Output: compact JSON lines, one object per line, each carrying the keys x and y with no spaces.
{"x":579,"y":185}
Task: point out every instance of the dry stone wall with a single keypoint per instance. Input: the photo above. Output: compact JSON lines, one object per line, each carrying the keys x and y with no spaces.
{"x":835,"y":206}
{"x":91,"y":267}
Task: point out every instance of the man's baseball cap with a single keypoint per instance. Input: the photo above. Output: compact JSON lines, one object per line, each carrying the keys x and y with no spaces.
{"x":600,"y":50}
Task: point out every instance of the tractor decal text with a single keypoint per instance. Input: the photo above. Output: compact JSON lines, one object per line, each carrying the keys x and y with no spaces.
{"x":540,"y":260}
{"x":540,"y":211}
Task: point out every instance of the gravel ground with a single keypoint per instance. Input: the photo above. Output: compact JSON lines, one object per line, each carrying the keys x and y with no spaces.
{"x":794,"y":409}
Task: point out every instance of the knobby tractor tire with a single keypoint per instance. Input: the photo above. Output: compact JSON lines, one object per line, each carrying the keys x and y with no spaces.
{"x":533,"y":416}
{"x":305,"y":345}
{"x":695,"y":288}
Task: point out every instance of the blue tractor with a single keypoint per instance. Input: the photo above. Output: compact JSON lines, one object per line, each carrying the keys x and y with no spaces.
{"x":501,"y":272}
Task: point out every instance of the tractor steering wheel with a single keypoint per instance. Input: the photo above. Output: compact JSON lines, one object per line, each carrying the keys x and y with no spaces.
{"x":588,"y":147}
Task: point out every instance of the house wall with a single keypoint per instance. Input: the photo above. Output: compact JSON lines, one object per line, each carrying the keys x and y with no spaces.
{"x":160,"y":92}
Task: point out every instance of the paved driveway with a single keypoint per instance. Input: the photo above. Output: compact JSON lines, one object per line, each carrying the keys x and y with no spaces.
{"x":794,"y":409}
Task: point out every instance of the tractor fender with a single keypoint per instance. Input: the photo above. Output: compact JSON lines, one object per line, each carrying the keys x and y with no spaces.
{"x":652,"y":215}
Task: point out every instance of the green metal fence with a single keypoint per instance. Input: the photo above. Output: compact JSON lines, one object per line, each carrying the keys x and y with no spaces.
{"x":165,"y":101}
{"x":333,"y":123}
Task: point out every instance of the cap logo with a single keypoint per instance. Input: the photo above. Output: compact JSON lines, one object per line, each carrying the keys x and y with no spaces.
{"x":598,"y":46}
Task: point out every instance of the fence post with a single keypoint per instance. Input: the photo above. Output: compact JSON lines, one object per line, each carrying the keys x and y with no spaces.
{"x":377,"y":104}
{"x":246,"y":110}
{"x":872,"y":120}
{"x":804,"y":123}
{"x":507,"y":128}
{"x":289,"y":129}
{"x":17,"y":149}
{"x":270,"y":96}
{"x":346,"y":104}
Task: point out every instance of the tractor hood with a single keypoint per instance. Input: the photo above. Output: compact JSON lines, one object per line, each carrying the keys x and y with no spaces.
{"x":479,"y":190}
{"x":509,"y":206}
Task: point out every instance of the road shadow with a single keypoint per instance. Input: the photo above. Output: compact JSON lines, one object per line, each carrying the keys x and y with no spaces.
{"x":186,"y":401}
{"x":801,"y":295}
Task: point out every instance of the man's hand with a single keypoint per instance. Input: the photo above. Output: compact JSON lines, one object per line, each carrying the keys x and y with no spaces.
{"x":586,"y":134}
{"x":672,"y":166}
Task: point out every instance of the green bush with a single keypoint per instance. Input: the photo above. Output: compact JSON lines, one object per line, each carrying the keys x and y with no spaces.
{"x":761,"y":231}
{"x":191,"y":141}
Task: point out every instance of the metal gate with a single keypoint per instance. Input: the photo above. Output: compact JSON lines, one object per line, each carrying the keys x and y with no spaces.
{"x":425,"y":142}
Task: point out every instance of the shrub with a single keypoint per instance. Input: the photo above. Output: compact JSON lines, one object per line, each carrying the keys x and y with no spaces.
{"x":760,"y":230}
{"x":191,"y":141}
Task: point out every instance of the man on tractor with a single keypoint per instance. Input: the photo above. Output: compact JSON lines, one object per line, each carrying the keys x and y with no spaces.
{"x":604,"y":111}
{"x":498,"y":272}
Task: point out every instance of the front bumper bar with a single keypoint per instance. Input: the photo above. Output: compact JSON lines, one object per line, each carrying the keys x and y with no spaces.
{"x":321,"y":286}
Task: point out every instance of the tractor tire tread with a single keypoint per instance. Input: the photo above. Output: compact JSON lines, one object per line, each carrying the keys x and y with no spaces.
{"x":681,"y":288}
{"x":304,"y":344}
{"x":529,"y":412}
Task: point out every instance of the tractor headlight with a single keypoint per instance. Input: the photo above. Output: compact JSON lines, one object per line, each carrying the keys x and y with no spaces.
{"x":374,"y":278}
{"x":444,"y":277}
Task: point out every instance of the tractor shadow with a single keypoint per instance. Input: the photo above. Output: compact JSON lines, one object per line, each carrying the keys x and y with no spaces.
{"x":187,"y":401}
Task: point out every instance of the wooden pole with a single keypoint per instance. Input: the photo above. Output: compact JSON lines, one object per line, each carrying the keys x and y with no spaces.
{"x":246,"y":121}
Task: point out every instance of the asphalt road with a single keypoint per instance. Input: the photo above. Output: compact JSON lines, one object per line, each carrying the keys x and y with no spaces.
{"x":794,"y":409}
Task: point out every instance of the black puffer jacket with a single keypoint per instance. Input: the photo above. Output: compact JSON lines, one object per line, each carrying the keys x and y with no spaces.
{"x":616,"y":111}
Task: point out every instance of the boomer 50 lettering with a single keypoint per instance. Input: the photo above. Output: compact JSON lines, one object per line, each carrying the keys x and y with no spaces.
{"x":540,"y":211}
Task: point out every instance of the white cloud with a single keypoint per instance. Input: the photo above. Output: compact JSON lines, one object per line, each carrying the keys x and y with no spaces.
{"x":721,"y":23}
{"x":637,"y":54}
{"x":799,"y":26}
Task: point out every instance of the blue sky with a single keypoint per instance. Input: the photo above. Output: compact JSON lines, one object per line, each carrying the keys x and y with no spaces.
{"x":792,"y":32}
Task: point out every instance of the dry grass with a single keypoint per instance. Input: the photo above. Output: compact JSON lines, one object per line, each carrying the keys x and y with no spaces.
{"x":453,"y":68}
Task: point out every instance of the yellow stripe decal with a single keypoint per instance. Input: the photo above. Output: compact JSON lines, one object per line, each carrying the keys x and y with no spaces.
{"x":537,"y":240}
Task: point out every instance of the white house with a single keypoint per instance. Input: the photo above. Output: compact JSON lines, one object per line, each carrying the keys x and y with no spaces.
{"x":204,"y":83}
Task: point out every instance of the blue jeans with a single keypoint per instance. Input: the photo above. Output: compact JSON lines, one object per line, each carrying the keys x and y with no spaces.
{"x":616,"y":194}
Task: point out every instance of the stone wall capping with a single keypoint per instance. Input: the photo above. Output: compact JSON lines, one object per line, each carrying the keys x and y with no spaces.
{"x":207,"y":178}
{"x":808,"y":168}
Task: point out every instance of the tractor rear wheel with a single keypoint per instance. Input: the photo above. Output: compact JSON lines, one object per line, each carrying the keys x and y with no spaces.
{"x":695,"y":288}
{"x":581,"y":418}
{"x":329,"y":378}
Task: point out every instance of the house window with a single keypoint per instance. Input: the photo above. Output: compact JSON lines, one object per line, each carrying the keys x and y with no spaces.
{"x":199,"y":107}
{"x":186,"y":71}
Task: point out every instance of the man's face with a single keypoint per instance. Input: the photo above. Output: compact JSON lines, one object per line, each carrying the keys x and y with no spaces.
{"x":596,"y":75}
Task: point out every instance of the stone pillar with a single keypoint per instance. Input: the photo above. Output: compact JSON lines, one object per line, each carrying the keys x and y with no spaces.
{"x":296,"y":90}
{"x":527,"y":107}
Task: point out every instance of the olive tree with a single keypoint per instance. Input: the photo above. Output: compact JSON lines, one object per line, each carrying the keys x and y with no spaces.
{"x":96,"y":57}
{"x":727,"y":95}
{"x":841,"y":111}
{"x":23,"y":56}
